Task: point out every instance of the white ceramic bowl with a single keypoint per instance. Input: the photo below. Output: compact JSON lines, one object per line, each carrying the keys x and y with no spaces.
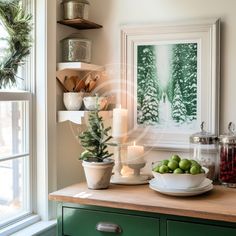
{"x":73,"y":100}
{"x":180,"y":181}
{"x":90,"y":103}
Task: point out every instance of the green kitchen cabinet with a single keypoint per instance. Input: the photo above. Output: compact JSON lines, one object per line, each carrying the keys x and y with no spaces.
{"x":177,"y":228}
{"x":86,"y":222}
{"x":80,"y":220}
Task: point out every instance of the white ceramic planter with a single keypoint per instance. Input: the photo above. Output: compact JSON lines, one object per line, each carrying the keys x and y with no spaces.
{"x":98,"y":174}
{"x":73,"y":100}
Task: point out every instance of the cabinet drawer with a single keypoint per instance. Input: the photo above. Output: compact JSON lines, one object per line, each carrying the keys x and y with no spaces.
{"x":178,"y":228}
{"x":82,"y":222}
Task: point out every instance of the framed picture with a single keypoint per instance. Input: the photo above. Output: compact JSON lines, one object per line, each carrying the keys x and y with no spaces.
{"x":170,"y":81}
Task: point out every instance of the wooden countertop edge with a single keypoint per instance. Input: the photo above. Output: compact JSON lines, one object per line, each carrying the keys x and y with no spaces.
{"x":144,"y":208}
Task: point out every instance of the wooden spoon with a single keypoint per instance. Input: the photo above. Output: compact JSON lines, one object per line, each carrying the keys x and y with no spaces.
{"x":92,"y":85}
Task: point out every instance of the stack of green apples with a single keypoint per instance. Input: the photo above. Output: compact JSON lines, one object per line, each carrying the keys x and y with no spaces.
{"x":176,"y":165}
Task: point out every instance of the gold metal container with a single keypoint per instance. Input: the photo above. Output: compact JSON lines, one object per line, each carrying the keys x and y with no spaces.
{"x":73,"y":9}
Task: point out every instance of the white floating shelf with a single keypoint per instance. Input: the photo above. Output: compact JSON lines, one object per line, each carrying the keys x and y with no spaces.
{"x":77,"y":116}
{"x":81,"y":66}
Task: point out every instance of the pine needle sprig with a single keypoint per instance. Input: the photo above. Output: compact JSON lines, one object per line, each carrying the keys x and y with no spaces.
{"x":95,"y":139}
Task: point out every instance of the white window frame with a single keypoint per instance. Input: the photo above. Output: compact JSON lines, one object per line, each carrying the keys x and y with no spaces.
{"x":46,"y":106}
{"x":44,"y":113}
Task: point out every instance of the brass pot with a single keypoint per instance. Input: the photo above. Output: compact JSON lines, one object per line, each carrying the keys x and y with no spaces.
{"x":73,"y":9}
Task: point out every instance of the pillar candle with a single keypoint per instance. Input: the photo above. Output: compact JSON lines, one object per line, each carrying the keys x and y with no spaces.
{"x":120,"y":122}
{"x":135,"y":153}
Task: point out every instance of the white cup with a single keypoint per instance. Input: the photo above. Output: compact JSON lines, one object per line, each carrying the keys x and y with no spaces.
{"x":73,"y":100}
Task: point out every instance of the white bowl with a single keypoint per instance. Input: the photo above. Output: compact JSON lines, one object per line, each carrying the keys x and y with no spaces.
{"x":180,"y":181}
{"x":90,"y":103}
{"x":73,"y":100}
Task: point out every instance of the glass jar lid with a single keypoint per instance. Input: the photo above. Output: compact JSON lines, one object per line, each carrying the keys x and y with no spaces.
{"x":203,"y":137}
{"x":230,"y":137}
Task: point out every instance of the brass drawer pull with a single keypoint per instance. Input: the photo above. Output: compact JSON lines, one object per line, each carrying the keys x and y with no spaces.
{"x":108,"y":227}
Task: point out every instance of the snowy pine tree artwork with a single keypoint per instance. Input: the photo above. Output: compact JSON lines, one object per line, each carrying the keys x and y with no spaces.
{"x":148,"y":86}
{"x":167,"y":85}
{"x":170,"y":80}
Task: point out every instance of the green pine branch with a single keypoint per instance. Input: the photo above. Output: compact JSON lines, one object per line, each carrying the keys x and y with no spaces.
{"x":18,"y":24}
{"x":95,"y":139}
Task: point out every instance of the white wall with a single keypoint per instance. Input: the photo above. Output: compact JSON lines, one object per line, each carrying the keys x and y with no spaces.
{"x":112,"y":14}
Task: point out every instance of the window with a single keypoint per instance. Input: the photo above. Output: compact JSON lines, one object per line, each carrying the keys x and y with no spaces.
{"x":16,"y":141}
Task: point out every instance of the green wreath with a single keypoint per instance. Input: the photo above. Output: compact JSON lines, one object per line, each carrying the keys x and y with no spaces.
{"x":18,"y":25}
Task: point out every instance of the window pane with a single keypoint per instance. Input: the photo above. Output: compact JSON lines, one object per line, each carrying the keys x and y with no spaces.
{"x":14,"y":192}
{"x":13,"y":128}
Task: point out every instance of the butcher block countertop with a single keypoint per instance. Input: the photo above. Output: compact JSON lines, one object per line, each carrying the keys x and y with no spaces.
{"x":218,"y":204}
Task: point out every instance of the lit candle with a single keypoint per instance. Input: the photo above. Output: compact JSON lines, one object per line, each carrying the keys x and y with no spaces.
{"x":120,"y":120}
{"x":135,"y":153}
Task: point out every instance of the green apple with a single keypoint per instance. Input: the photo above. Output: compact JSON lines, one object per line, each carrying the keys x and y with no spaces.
{"x":173,"y":164}
{"x":195,"y":163}
{"x":194,"y":170}
{"x":156,"y":168}
{"x":185,"y":164}
{"x":165,"y":162}
{"x":175,"y":158}
{"x":163,"y":169}
{"x":178,"y":171}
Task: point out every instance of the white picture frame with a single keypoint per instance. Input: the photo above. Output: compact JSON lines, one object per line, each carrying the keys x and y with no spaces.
{"x":206,"y":35}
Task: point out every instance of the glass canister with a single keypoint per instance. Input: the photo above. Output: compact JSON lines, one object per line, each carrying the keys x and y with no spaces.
{"x":227,"y":146}
{"x":76,"y":49}
{"x":204,"y":149}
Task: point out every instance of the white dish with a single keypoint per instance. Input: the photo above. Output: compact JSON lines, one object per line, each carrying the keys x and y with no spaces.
{"x":181,"y":181}
{"x":181,"y":193}
{"x":156,"y":183}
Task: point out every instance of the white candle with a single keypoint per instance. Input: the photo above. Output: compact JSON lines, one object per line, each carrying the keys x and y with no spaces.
{"x":120,"y":122}
{"x":135,"y":153}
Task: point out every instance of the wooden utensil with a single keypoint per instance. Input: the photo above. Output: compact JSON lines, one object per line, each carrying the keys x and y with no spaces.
{"x":80,"y":85}
{"x":70,"y":83}
{"x":62,"y":85}
{"x":91,"y":85}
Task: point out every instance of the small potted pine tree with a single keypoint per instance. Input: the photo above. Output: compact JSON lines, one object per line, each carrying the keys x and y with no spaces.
{"x":96,"y":162}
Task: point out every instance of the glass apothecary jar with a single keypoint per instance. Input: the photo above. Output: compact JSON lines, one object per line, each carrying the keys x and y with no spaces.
{"x":227,"y":146}
{"x":204,"y":149}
